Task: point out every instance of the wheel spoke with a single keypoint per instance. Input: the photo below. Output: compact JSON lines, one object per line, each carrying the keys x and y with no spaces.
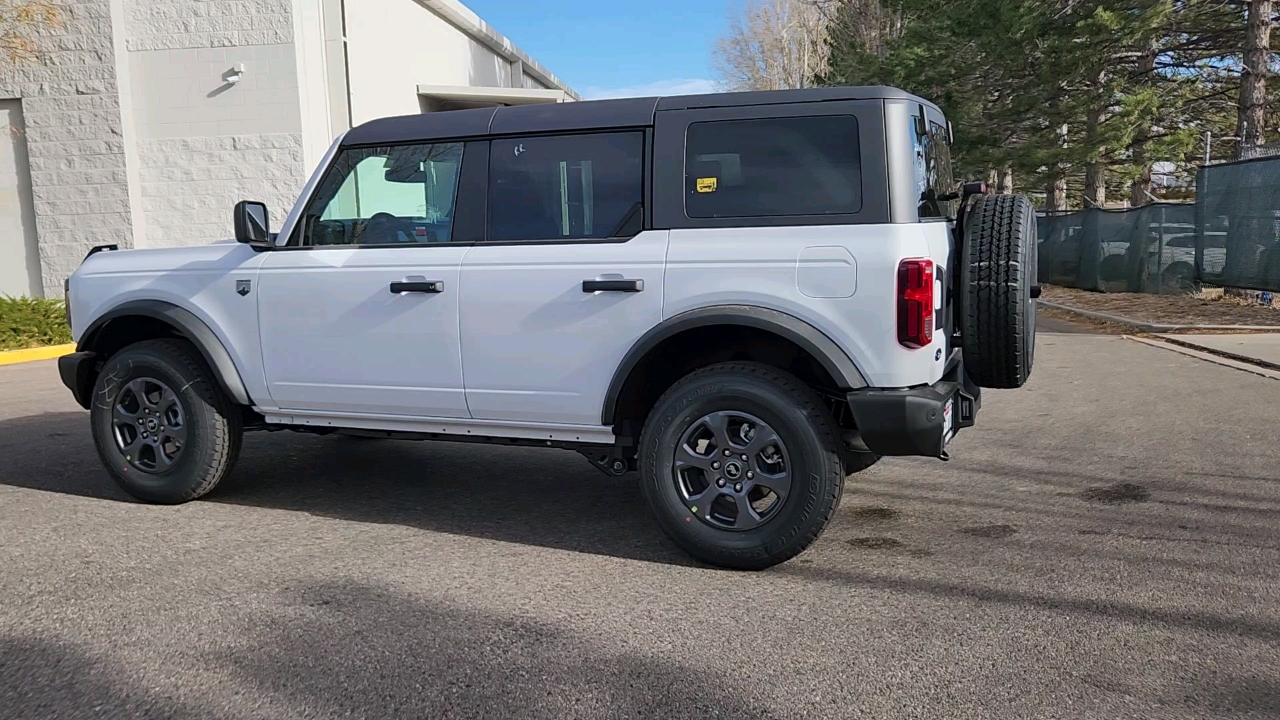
{"x":163,"y":461}
{"x":718,"y":424}
{"x":763,"y":438}
{"x":780,"y":484}
{"x":129,"y":447}
{"x":687,"y":458}
{"x":177,"y":434}
{"x":122,"y":414}
{"x":747,"y":517}
{"x":142,"y":389}
{"x":167,"y":399}
{"x":701,"y":504}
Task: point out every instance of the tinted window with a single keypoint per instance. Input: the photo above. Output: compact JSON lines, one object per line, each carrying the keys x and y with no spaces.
{"x":781,"y":166}
{"x":565,"y":187}
{"x":932,"y":168}
{"x":386,"y":195}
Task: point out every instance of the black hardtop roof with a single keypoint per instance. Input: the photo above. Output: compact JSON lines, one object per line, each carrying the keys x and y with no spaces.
{"x":589,"y":114}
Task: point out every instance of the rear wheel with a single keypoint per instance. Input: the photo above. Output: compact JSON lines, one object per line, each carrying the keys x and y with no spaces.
{"x":997,"y":271}
{"x":163,"y":428}
{"x":740,"y":464}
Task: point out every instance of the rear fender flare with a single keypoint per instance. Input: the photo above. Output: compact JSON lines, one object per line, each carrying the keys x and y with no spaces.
{"x":812,"y":340}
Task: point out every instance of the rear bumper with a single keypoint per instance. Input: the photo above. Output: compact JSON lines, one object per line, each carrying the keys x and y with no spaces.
{"x":76,"y":370}
{"x":917,"y":421}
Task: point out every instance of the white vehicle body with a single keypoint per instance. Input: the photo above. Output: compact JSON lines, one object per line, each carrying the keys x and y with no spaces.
{"x":512,"y":347}
{"x":743,"y":297}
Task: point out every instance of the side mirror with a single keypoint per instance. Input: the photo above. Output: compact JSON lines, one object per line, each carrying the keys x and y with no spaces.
{"x":252,"y":226}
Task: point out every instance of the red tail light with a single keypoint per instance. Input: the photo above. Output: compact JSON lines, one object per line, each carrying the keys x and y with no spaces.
{"x":915,"y":303}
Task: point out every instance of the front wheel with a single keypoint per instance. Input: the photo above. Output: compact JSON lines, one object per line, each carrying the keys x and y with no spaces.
{"x":164,"y":429}
{"x":741,"y":465}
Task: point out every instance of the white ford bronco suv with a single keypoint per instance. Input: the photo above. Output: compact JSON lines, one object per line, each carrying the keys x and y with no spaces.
{"x":745,"y":297}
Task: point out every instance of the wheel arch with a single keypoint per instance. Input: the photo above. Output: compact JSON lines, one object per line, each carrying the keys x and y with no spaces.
{"x":146,"y":319}
{"x":823,"y":351}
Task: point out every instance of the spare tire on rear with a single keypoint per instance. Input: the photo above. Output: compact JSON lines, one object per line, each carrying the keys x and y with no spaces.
{"x":997,"y":315}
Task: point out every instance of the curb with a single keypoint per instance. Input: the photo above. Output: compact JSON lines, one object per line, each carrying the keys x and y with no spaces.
{"x":13,"y":357}
{"x":1249,"y":366}
{"x":1224,"y":353}
{"x":1151,"y":327}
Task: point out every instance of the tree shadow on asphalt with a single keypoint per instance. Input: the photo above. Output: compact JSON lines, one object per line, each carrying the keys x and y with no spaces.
{"x":354,"y":650}
{"x":41,"y":679}
{"x":1188,"y":618}
{"x":526,"y":496}
{"x":549,"y":498}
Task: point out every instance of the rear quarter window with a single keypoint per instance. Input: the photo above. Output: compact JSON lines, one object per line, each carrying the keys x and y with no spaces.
{"x":773,"y":167}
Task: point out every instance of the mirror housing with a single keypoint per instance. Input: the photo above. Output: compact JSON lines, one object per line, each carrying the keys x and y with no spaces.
{"x":252,"y":223}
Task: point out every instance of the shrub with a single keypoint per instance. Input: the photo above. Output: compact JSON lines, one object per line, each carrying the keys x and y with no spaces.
{"x":28,"y":322}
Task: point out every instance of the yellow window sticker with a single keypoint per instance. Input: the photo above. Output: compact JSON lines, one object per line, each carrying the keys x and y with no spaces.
{"x":706,"y":185}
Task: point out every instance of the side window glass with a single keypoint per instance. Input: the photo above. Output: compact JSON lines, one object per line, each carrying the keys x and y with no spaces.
{"x":567,"y":187}
{"x":773,"y":167}
{"x":932,"y":156}
{"x":386,"y":196}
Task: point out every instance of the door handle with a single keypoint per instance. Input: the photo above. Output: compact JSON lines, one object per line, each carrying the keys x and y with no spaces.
{"x":629,"y":286}
{"x":433,"y":286}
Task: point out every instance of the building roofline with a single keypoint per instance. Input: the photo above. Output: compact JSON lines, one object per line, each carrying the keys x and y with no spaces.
{"x":463,"y":18}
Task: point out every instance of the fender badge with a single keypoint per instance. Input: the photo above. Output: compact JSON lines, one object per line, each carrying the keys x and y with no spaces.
{"x":243,"y":287}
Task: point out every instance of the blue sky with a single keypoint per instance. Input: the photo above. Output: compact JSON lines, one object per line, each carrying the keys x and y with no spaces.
{"x":614,"y":48}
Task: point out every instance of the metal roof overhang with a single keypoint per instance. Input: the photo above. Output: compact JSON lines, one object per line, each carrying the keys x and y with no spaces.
{"x":489,"y":96}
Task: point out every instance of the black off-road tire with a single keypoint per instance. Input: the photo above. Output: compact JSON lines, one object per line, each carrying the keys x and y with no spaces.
{"x":997,"y":272}
{"x":803,"y":424}
{"x":213,"y":423}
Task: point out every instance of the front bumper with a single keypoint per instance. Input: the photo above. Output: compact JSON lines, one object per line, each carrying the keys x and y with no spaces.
{"x":917,"y":421}
{"x":76,"y":370}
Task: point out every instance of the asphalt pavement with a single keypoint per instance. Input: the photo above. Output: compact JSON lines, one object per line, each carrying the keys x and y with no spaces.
{"x":1104,"y":544}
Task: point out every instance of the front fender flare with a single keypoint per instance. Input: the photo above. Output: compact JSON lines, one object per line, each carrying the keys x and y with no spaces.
{"x":191,"y":327}
{"x":812,"y":340}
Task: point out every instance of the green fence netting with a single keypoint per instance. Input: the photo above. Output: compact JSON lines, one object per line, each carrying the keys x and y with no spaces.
{"x":1230,"y":236}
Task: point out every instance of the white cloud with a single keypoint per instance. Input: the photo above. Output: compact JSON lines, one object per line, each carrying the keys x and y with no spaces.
{"x":687,"y":86}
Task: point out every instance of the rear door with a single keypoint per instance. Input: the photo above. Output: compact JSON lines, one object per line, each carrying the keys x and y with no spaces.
{"x":567,"y":280}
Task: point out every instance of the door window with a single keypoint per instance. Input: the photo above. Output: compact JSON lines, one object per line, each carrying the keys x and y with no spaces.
{"x":386,"y":196}
{"x":773,"y":167}
{"x":567,"y":187}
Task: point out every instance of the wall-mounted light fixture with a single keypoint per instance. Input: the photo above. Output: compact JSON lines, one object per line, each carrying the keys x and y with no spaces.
{"x":233,"y":75}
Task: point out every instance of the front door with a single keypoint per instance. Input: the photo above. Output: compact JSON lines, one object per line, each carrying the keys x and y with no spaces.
{"x":359,"y":315}
{"x":567,"y":281}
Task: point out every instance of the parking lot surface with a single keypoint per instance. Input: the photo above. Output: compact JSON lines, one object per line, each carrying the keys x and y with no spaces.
{"x":1104,"y":544}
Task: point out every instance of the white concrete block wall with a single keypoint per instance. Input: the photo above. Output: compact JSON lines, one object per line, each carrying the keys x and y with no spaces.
{"x":190,"y":185}
{"x":170,"y":24}
{"x":205,"y":144}
{"x":74,"y":139}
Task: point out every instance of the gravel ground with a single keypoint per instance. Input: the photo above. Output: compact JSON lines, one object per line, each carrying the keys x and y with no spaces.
{"x":1104,"y":545}
{"x":1167,"y":309}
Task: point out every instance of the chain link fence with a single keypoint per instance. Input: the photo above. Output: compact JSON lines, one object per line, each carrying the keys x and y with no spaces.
{"x":1230,"y":237}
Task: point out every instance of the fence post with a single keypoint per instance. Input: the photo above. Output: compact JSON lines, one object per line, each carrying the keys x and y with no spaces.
{"x":1202,"y":187}
{"x":1160,"y":253}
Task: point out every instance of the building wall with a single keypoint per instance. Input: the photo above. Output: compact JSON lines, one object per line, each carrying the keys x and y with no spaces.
{"x":75,"y":139}
{"x":133,"y":138}
{"x":205,"y":143}
{"x":395,"y":45}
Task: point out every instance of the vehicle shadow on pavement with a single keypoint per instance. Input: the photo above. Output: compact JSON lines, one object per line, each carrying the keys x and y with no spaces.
{"x":359,"y":650}
{"x":550,"y":498}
